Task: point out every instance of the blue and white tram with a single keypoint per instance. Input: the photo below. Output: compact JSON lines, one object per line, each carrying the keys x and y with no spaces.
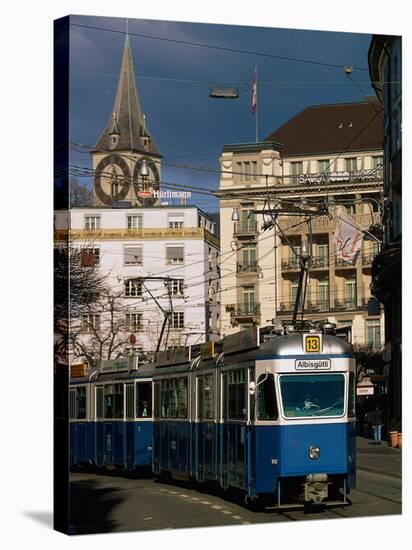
{"x":111,"y":419}
{"x":275,"y":420}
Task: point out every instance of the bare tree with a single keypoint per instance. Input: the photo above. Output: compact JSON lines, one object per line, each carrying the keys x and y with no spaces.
{"x":80,"y":194}
{"x":101,"y":333}
{"x":78,"y":284}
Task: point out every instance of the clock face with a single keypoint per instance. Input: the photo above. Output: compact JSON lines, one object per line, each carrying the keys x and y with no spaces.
{"x":146,"y":185}
{"x":112,"y":179}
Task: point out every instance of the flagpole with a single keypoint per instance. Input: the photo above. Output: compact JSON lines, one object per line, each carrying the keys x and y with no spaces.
{"x":257,"y":108}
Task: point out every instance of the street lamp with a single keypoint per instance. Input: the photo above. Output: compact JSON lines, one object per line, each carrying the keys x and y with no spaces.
{"x":235,"y":215}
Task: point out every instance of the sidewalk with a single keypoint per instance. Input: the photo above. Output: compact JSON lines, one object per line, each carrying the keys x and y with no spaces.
{"x":381,"y":459}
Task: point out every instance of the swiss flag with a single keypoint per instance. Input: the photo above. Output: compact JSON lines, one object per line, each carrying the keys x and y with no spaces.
{"x":254,"y":93}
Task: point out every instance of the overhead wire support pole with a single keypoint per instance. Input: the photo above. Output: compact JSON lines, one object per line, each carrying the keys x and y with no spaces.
{"x":167,"y":314}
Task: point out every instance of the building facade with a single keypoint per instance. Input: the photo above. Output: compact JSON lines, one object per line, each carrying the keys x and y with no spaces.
{"x":159,"y":262}
{"x":385,"y":69}
{"x":328,"y":154}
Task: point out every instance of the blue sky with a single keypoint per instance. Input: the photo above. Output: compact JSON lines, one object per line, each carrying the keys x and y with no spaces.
{"x":188,"y":126}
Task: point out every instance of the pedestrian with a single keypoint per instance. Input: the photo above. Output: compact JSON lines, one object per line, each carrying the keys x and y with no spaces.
{"x":377,"y":423}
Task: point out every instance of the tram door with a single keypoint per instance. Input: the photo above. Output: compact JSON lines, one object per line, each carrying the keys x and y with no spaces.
{"x":130,"y":424}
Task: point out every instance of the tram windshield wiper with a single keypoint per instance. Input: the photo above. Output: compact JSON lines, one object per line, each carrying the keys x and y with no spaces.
{"x":317,"y":413}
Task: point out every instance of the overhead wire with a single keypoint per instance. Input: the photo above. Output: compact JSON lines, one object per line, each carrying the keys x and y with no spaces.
{"x":219,"y":48}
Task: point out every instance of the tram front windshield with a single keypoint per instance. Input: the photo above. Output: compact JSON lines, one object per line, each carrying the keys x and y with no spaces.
{"x":307,"y":395}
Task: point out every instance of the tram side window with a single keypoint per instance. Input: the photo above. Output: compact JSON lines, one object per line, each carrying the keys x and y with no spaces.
{"x":182,"y":398}
{"x":72,"y":404}
{"x":157,"y":399}
{"x":267,"y":406}
{"x":352,"y":395}
{"x":81,"y":403}
{"x":113,"y":401}
{"x":99,"y":402}
{"x":173,"y":398}
{"x":144,"y":399}
{"x":206,"y":392}
{"x":236,"y":397}
{"x":129,"y":401}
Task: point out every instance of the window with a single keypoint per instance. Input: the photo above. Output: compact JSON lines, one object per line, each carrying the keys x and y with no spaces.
{"x":295,"y":255}
{"x":352,"y":395}
{"x":323,"y":255}
{"x":323,"y":293}
{"x":91,"y":322}
{"x":143,"y":399}
{"x":237,"y":394}
{"x":247,"y":170}
{"x":92,"y":222}
{"x":254,"y":169}
{"x":174,"y":398}
{"x":247,"y":219}
{"x":249,"y":257}
{"x":113,"y":401}
{"x":323,"y":166}
{"x":129,"y":401}
{"x":351,"y":164}
{"x":72,"y":403}
{"x":175,"y":254}
{"x":350,"y":208}
{"x":294,"y":291}
{"x":373,"y":333}
{"x":133,"y":321}
{"x":99,"y":402}
{"x":133,"y":289}
{"x":267,"y":407}
{"x":176,"y":221}
{"x":134,"y":222}
{"x":377,"y":163}
{"x":375,"y":248}
{"x":350,"y":288}
{"x":176,"y":287}
{"x":81,"y":403}
{"x":296,"y":170}
{"x":133,"y":255}
{"x":306,"y":395}
{"x":178,"y":319}
{"x":205,"y":393}
{"x":248,"y":300}
{"x":89,"y":257}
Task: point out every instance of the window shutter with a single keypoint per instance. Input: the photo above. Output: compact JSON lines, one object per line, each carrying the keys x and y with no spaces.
{"x":133,"y":255}
{"x":174,"y":252}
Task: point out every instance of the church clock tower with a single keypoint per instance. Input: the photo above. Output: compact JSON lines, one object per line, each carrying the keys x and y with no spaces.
{"x":126,"y":160}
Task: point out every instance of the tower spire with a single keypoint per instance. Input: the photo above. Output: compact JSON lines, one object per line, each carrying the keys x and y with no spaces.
{"x":126,"y":115}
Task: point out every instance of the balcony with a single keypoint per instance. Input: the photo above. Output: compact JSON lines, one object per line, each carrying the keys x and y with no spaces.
{"x":245,"y":229}
{"x":246,"y":312}
{"x":321,"y":306}
{"x":291,"y":265}
{"x":251,"y":267}
{"x":341,"y":264}
{"x":320,"y":262}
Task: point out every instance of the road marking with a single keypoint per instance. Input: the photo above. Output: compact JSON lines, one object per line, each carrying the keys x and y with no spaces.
{"x":146,"y":519}
{"x":226,"y":512}
{"x":237,"y":517}
{"x":216,"y":507}
{"x":195,"y":498}
{"x":204,"y":502}
{"x":184,"y":496}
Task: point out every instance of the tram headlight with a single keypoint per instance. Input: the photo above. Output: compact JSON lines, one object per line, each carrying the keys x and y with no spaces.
{"x":314,"y":452}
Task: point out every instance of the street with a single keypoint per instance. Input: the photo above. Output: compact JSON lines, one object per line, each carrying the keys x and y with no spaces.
{"x":109,"y":503}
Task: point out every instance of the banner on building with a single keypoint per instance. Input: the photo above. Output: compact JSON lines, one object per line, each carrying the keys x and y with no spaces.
{"x":348,"y":238}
